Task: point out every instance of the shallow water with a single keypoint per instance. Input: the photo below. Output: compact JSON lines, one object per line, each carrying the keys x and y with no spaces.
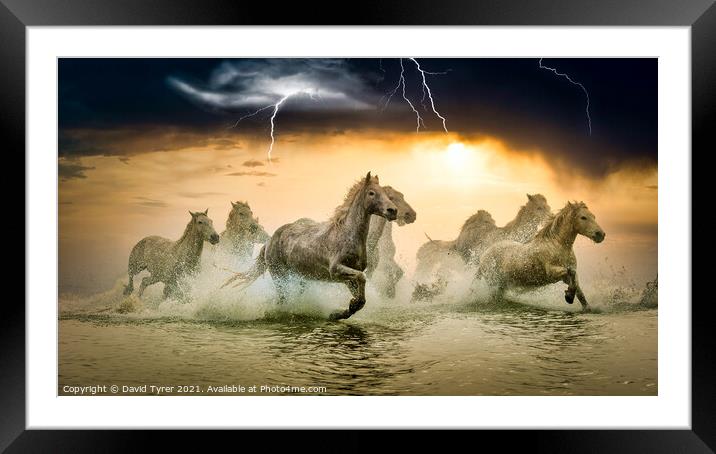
{"x":389,"y":348}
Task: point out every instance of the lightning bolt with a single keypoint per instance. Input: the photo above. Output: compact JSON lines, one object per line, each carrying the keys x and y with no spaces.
{"x":276,"y":106}
{"x":273,"y":117}
{"x":401,"y":81}
{"x":426,"y":88}
{"x":401,"y":85}
{"x":574,"y":82}
{"x":427,"y":92}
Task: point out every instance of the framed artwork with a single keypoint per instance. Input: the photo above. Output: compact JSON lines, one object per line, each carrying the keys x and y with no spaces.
{"x":453,"y":218}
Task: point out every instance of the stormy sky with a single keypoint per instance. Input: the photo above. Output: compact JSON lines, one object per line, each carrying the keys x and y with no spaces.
{"x":144,"y":141}
{"x":124,"y":107}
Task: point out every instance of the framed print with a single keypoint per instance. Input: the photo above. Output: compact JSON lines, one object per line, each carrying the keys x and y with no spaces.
{"x":462,"y":219}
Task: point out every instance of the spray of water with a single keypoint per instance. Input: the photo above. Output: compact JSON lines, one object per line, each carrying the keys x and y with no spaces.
{"x":609,"y":289}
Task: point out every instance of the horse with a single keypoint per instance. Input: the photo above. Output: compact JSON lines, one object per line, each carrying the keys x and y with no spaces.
{"x":444,"y":255}
{"x":332,"y":251}
{"x":168,"y":261}
{"x":545,"y":259}
{"x":242,"y":231}
{"x":477,"y":233}
{"x":475,"y":238}
{"x":380,"y":246}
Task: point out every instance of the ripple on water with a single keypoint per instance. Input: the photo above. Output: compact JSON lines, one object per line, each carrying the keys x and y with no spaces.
{"x":386,"y":349}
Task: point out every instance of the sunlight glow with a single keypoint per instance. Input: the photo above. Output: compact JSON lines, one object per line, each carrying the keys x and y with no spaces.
{"x":457,"y":155}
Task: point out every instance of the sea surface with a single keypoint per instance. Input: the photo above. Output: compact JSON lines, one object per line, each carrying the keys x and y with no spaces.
{"x":221,"y":343}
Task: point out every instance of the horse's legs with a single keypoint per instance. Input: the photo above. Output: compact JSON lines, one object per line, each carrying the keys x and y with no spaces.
{"x":357,"y":289}
{"x":171,"y":289}
{"x":279,"y":281}
{"x":498,"y":292}
{"x":302,"y":286}
{"x":132,"y":270}
{"x":280,"y":284}
{"x":146,"y":282}
{"x":580,"y":294}
{"x":355,"y":280}
{"x":556,"y":273}
{"x":395,"y":273}
{"x":571,"y":289}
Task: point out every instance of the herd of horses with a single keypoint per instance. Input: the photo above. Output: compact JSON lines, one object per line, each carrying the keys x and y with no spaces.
{"x":356,"y":244}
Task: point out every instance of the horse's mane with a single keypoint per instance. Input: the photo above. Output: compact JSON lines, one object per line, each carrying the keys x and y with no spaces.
{"x":341,"y":211}
{"x":555,"y":221}
{"x":187,"y":231}
{"x":480,"y":218}
{"x":522,"y":212}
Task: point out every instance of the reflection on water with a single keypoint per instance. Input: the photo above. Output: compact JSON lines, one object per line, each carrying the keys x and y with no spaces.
{"x":390,"y":350}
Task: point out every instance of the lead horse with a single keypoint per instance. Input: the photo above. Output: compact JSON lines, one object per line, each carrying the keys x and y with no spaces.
{"x":168,"y":261}
{"x":332,"y":251}
{"x":546,"y":259}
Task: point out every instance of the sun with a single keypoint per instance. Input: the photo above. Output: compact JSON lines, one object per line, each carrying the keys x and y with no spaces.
{"x":457,"y":155}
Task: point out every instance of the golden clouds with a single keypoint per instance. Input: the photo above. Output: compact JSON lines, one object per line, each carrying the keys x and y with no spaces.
{"x":445,"y":177}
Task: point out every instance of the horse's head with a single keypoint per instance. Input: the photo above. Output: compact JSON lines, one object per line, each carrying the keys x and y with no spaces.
{"x":241,"y":219}
{"x":376,"y":200}
{"x":537,"y":209}
{"x":406,"y":213}
{"x":204,"y":226}
{"x":585,"y":223}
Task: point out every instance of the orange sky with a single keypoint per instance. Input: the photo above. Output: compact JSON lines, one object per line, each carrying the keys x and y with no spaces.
{"x":446,"y":178}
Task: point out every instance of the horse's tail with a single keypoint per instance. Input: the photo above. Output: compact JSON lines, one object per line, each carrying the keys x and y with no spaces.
{"x":256,"y":271}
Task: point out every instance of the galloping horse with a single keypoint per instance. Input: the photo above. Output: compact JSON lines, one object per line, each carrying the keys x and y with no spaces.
{"x":333,"y":251}
{"x":474,"y":240}
{"x":477,"y":234}
{"x":546,"y":259}
{"x":168,"y":261}
{"x":242,"y":231}
{"x":380,"y":246}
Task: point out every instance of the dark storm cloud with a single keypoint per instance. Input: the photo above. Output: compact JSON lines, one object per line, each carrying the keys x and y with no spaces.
{"x":179,"y":103}
{"x":71,"y":169}
{"x":128,"y":141}
{"x":304,"y":84}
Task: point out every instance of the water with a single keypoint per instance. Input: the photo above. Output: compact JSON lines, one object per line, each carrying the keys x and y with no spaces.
{"x":460,"y":345}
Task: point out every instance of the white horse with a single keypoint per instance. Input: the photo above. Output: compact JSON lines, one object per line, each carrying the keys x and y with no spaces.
{"x":168,"y":261}
{"x":380,"y":245}
{"x":333,"y":251}
{"x":546,"y":259}
{"x":439,"y":261}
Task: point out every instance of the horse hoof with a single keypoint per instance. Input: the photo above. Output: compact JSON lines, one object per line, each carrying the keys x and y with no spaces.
{"x":568,"y":297}
{"x":338,"y":315}
{"x":355,"y":306}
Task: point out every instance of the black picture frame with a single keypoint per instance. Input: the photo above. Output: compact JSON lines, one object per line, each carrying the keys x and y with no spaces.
{"x":700,"y":15}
